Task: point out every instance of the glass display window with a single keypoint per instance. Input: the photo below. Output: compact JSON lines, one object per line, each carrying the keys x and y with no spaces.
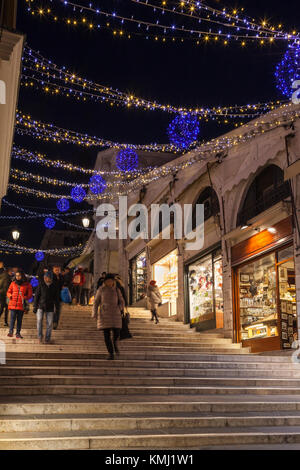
{"x":165,"y":273}
{"x":258,"y":299}
{"x":138,"y":277}
{"x":287,"y":297}
{"x":205,"y":285}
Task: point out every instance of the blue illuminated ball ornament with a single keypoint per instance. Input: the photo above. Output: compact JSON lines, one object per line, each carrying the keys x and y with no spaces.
{"x":97,"y":184}
{"x":183,"y":131}
{"x":39,"y":256}
{"x":49,"y":223}
{"x":34,"y":282}
{"x":30,"y":300}
{"x":63,"y":205}
{"x":78,"y":194}
{"x":127,"y":160}
{"x":288,"y":70}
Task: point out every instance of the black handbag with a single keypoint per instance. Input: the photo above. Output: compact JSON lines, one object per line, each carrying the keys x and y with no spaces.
{"x":125,"y":333}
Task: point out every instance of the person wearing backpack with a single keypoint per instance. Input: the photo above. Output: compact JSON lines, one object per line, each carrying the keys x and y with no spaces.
{"x":78,"y":282}
{"x":46,"y":298}
{"x":111,"y":303}
{"x":155,"y":299}
{"x":18,"y":293}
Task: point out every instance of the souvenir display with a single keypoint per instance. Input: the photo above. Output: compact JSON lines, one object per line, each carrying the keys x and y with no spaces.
{"x":258,"y":308}
{"x":206,"y":291}
{"x":266,"y":287}
{"x":287,"y":294}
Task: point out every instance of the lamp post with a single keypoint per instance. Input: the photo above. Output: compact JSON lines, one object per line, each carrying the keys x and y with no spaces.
{"x":15,"y":234}
{"x":86,"y":222}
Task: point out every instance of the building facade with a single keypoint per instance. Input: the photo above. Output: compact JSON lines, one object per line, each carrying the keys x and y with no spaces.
{"x":245,"y":280}
{"x":11,"y":48}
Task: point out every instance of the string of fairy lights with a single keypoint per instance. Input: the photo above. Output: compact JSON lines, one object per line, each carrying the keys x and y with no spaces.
{"x":49,"y":219}
{"x":47,"y":132}
{"x":44,"y":74}
{"x":205,"y":151}
{"x":126,"y":26}
{"x":196,"y":10}
{"x":183,"y":131}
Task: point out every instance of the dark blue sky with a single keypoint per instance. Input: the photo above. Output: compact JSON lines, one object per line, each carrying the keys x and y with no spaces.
{"x":207,"y":75}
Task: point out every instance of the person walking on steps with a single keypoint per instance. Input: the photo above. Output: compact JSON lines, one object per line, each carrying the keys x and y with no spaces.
{"x":5,"y":281}
{"x":19,"y":292}
{"x":58,"y":282}
{"x":111,"y":303}
{"x":101,"y":279}
{"x":46,"y":297}
{"x":78,"y":282}
{"x":155,"y":299}
{"x":87,"y":287}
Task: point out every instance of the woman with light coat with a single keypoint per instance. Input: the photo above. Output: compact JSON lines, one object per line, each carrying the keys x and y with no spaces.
{"x":111,"y":303}
{"x":155,"y":299}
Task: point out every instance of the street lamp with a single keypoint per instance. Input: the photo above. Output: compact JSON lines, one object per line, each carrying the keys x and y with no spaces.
{"x":15,"y":235}
{"x":86,"y":222}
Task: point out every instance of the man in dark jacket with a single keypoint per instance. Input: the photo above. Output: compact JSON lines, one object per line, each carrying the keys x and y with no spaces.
{"x":5,"y":281}
{"x":46,"y":297}
{"x":58,"y":281}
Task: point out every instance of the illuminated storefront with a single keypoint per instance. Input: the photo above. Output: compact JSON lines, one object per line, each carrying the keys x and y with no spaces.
{"x":165,"y":273}
{"x":265,"y":296}
{"x":138,"y":277}
{"x":205,"y":291}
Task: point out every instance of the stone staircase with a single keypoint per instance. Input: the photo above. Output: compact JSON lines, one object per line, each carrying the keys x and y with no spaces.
{"x":171,"y":388}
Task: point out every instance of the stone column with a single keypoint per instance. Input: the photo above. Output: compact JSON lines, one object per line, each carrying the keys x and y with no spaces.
{"x":180,"y":300}
{"x":227,"y":291}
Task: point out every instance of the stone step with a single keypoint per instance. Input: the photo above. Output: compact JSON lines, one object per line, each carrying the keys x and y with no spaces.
{"x":37,"y":388}
{"x":146,"y":371}
{"x":154,"y":381}
{"x":60,"y":339}
{"x":143,"y":439}
{"x":125,"y":351}
{"x":97,"y":335}
{"x":40,"y":424}
{"x":129,"y":405}
{"x":278,"y":361}
{"x":201,"y":365}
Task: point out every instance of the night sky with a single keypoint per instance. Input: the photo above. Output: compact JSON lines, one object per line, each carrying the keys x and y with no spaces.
{"x":181,"y":74}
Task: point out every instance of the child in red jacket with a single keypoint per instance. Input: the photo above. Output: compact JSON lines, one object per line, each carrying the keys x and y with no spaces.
{"x":18,"y":293}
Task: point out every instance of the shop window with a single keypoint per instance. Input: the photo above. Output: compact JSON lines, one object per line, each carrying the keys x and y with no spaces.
{"x":138,"y":277}
{"x":267,"y":288}
{"x":257,"y":294}
{"x":267,"y":189}
{"x":287,"y":297}
{"x":209,"y":199}
{"x":206,"y":292}
{"x":165,"y":273}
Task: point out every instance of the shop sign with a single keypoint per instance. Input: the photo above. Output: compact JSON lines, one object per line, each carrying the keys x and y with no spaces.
{"x":2,"y":92}
{"x":292,"y":170}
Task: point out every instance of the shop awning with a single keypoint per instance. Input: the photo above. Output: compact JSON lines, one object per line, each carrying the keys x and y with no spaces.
{"x":82,"y":260}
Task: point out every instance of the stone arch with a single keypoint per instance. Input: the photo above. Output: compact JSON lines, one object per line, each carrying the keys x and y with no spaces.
{"x":265,"y":189}
{"x":209,"y":197}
